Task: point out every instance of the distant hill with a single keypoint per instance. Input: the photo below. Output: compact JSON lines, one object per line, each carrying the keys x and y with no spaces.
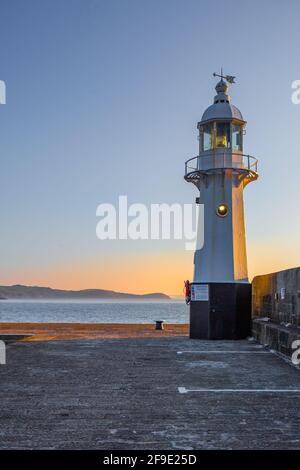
{"x":35,"y":292}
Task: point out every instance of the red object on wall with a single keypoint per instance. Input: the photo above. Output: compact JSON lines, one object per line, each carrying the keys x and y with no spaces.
{"x":187,"y":291}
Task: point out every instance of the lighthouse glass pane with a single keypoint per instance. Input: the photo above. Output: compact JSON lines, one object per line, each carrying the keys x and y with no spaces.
{"x":236,"y":137}
{"x":207,"y":133}
{"x":223,"y":134}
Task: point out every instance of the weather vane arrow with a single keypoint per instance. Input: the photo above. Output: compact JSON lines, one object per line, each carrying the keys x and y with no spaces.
{"x":228,"y":78}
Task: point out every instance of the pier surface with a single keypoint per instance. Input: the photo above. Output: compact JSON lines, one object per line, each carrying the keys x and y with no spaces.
{"x":71,"y":331}
{"x":147,"y":390}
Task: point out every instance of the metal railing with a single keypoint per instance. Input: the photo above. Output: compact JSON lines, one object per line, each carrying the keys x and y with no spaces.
{"x":216,"y":161}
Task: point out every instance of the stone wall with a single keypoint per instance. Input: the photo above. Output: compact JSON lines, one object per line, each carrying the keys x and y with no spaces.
{"x":276,"y":310}
{"x":277,"y":296}
{"x":276,"y":337}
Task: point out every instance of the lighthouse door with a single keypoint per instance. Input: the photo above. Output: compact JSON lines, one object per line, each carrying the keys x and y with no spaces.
{"x":229,"y":310}
{"x":222,"y":308}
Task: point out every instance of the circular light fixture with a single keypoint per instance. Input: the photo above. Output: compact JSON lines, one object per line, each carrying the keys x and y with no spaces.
{"x":222,"y":210}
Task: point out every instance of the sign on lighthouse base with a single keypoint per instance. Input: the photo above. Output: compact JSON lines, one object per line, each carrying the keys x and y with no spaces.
{"x":220,"y":310}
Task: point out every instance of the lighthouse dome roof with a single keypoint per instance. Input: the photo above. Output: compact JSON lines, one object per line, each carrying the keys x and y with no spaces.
{"x":222,"y":108}
{"x":222,"y":111}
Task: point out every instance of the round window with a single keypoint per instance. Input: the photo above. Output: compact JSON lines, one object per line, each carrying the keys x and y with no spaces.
{"x":222,"y":210}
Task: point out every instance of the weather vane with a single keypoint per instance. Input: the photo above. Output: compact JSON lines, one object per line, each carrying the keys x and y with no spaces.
{"x":229,"y":78}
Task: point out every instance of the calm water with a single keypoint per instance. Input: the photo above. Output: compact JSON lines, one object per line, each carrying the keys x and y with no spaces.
{"x":93,"y":312}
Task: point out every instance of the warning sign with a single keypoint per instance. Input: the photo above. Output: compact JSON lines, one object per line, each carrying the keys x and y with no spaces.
{"x":199,"y":292}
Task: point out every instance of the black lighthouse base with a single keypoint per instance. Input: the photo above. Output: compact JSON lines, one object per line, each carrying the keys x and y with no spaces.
{"x":220,"y":310}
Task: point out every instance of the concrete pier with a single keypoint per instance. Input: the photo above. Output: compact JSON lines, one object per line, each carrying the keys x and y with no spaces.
{"x":146,"y":392}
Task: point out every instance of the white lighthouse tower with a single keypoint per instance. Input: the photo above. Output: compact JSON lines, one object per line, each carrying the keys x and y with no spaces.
{"x":220,"y":292}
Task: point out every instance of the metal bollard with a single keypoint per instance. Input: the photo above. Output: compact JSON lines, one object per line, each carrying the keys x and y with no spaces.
{"x":159,"y":324}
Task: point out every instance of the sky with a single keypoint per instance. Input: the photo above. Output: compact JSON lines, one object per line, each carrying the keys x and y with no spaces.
{"x":103,"y":99}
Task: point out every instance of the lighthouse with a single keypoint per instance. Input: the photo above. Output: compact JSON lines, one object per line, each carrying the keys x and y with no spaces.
{"x":220,"y":300}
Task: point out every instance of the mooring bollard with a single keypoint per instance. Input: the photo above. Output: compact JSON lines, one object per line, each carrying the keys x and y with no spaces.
{"x":159,"y":324}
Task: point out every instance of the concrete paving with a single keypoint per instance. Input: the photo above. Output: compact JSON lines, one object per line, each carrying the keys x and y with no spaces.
{"x":141,"y":394}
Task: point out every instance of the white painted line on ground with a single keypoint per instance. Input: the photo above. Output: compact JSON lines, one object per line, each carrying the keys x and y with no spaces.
{"x":241,"y":390}
{"x":223,"y":352}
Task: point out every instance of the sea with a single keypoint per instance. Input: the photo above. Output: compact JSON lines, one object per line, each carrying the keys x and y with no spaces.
{"x":104,"y":311}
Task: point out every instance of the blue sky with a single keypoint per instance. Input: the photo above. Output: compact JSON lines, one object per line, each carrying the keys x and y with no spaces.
{"x":103,"y":98}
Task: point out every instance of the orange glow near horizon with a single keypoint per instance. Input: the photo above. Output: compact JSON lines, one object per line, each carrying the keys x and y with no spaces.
{"x":148,"y":272}
{"x":133,"y":274}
